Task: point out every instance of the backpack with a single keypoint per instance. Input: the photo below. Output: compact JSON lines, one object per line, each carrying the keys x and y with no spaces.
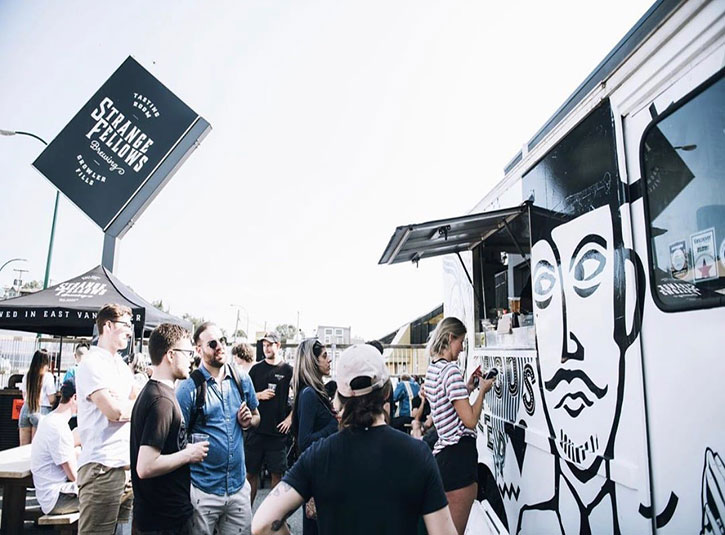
{"x":200,"y":401}
{"x":409,"y":393}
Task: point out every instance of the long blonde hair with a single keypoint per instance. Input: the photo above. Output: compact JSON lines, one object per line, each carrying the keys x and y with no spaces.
{"x":307,"y":373}
{"x":439,"y":339}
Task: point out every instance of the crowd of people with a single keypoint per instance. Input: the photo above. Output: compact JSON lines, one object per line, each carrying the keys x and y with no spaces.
{"x":184,"y":451}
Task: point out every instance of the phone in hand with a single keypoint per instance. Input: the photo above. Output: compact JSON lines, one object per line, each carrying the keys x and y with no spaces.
{"x":490,"y":374}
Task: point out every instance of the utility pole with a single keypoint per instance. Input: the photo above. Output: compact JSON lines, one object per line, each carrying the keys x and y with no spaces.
{"x":19,"y":281}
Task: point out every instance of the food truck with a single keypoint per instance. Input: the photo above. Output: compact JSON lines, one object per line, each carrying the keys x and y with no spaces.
{"x":593,"y":278}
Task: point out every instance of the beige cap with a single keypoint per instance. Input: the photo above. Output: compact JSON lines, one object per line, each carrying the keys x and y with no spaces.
{"x":360,"y":360}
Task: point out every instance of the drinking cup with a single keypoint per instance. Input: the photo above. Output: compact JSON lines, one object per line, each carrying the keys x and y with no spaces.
{"x":199,"y":437}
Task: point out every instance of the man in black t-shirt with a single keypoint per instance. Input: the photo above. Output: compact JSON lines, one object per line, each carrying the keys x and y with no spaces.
{"x":160,"y":455}
{"x":367,"y":478}
{"x":265,"y":445}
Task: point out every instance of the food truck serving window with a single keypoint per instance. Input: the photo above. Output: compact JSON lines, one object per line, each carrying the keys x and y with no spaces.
{"x":683,"y":165}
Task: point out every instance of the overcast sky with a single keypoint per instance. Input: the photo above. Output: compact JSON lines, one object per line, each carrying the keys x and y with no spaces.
{"x":333,"y":122}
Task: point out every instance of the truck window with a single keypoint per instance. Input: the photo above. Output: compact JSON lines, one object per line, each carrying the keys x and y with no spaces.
{"x":683,"y":162}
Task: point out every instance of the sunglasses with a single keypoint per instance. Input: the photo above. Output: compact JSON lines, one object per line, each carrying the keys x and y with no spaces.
{"x":213,"y":344}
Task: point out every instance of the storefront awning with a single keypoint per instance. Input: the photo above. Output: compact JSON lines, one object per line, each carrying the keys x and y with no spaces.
{"x":411,"y":243}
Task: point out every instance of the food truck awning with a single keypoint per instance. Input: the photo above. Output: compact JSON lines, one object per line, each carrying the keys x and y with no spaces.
{"x":504,"y":229}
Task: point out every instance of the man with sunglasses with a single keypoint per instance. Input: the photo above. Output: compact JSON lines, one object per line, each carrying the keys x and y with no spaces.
{"x":160,"y":454}
{"x":106,"y":395}
{"x":220,"y":493}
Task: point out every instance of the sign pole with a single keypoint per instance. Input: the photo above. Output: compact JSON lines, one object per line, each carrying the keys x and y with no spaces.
{"x":109,"y":259}
{"x":46,"y":279}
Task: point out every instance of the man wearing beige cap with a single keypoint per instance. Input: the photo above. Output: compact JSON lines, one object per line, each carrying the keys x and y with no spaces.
{"x":368,"y":478}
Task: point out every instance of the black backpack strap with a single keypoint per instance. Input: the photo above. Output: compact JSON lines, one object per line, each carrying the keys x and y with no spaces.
{"x":200,"y":399}
{"x":235,"y":377}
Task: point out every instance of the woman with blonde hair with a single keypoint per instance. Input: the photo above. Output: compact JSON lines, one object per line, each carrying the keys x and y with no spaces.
{"x":39,"y":393}
{"x":454,"y":417}
{"x":313,"y":416}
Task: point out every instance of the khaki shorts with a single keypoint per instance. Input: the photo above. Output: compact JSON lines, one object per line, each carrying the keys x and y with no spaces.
{"x":222,"y":515}
{"x":106,"y":497}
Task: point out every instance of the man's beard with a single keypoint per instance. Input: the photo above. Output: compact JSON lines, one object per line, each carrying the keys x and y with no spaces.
{"x":214,"y":362}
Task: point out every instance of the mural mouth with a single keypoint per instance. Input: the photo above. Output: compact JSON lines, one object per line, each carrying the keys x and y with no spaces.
{"x":576,"y":403}
{"x":564,"y":375}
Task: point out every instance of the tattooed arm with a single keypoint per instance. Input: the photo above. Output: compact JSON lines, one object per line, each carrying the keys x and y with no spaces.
{"x":271,"y":517}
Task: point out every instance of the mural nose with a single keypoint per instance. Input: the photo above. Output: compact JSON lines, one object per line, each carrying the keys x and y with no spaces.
{"x":573,"y":349}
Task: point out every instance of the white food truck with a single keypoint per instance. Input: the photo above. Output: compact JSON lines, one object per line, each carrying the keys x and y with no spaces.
{"x":593,"y":278}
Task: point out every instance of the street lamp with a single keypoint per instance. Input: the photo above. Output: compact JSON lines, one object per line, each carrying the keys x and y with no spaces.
{"x":13,"y":260}
{"x":55,"y":209}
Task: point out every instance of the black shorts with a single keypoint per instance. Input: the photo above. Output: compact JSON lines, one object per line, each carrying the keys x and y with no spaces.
{"x":458,"y":464}
{"x":265,"y":450}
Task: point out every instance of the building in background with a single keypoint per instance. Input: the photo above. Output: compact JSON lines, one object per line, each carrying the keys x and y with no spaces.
{"x":333,"y":335}
{"x":413,"y":359}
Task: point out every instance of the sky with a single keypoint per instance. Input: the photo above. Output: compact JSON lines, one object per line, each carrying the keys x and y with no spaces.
{"x":333,"y":122}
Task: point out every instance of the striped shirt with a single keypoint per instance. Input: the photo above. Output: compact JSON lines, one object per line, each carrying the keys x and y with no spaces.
{"x":443,"y":385}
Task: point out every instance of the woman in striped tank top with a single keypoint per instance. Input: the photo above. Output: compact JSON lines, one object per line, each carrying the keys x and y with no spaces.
{"x":455,"y":418}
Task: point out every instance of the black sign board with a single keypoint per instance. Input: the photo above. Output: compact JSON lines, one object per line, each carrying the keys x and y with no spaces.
{"x":114,"y":145}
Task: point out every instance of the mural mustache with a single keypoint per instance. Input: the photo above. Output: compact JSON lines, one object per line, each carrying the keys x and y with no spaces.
{"x":564,"y":375}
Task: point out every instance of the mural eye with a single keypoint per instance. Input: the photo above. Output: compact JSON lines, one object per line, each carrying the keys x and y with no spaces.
{"x":587,"y":269}
{"x":544,"y":283}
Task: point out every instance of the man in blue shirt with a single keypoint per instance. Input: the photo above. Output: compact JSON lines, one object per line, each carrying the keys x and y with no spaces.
{"x":220,"y":493}
{"x":403,"y":396}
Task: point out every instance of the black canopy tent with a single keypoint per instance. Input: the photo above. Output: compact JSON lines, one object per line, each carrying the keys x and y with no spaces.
{"x":70,"y":308}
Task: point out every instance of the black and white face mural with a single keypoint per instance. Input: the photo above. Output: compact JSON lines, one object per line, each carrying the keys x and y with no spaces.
{"x":581,"y":347}
{"x":582,"y":278}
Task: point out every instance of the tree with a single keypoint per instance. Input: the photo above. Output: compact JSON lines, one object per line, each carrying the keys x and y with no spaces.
{"x":159,"y":303}
{"x":286,"y":331}
{"x":240,"y":334}
{"x":32,"y":285}
{"x":193,"y":319}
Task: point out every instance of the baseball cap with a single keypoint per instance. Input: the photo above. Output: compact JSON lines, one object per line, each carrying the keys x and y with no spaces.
{"x":360,"y":360}
{"x":271,"y":337}
{"x":68,"y":388}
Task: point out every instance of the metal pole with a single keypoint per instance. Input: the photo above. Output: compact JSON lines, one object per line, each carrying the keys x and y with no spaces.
{"x":55,"y":210}
{"x":109,"y":260}
{"x":46,"y":279}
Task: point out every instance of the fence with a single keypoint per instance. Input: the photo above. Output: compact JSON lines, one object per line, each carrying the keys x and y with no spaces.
{"x":16,"y":352}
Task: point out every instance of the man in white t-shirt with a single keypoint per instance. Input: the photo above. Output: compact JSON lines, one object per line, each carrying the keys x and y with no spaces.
{"x":106,"y":395}
{"x":53,"y":459}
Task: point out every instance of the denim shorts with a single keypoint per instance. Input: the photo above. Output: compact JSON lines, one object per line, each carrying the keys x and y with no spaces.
{"x":27,"y":419}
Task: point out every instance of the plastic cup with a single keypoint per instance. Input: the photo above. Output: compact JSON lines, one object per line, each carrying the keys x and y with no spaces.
{"x":272,"y":386}
{"x":199,"y":437}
